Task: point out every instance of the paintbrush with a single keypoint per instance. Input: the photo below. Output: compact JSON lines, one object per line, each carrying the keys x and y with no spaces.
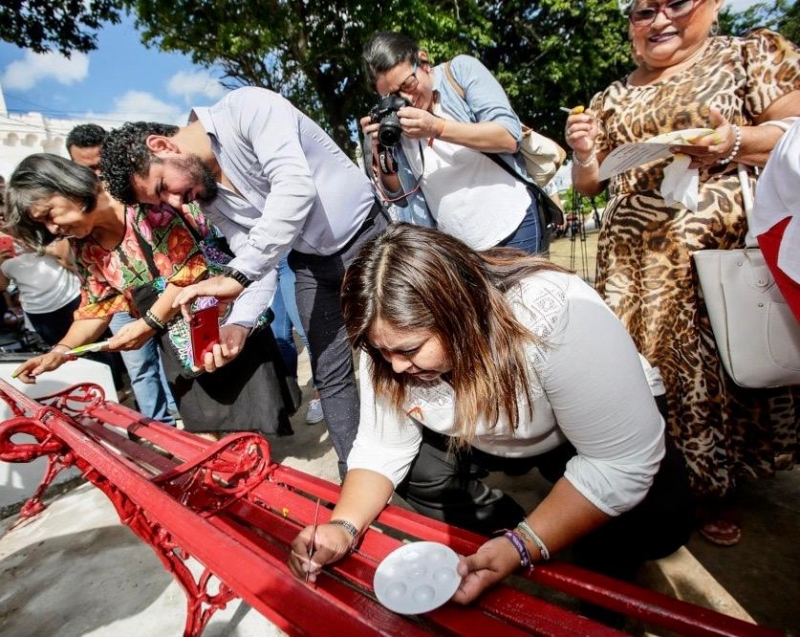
{"x":311,"y":549}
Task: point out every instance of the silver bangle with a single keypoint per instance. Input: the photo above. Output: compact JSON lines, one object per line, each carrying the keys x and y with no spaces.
{"x":585,"y":164}
{"x":737,"y":144}
{"x":526,"y":530}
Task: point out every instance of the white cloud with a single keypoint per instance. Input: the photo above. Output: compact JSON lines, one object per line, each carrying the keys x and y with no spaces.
{"x":188,"y":84}
{"x":24,"y":74}
{"x":136,"y":106}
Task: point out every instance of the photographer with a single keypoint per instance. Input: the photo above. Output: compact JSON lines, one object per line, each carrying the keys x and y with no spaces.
{"x":430,"y":148}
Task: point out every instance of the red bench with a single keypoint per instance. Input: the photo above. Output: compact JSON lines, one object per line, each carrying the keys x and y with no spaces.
{"x":231,"y":508}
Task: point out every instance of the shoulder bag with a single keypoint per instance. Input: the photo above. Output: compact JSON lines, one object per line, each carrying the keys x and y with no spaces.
{"x":757,"y":336}
{"x":543,"y":157}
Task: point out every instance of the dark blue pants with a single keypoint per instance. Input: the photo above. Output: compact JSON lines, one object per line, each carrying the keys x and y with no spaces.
{"x":319,"y":279}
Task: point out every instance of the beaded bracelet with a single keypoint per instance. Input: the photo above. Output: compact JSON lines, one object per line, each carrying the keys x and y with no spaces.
{"x":737,"y":144}
{"x":524,"y":556}
{"x":526,"y":530}
{"x":588,"y":162}
{"x":153,"y":321}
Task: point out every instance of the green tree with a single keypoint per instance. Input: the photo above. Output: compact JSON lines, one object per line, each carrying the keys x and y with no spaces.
{"x":780,"y":16}
{"x":66,"y":25}
{"x":789,"y":23}
{"x":307,"y":50}
{"x":552,"y":53}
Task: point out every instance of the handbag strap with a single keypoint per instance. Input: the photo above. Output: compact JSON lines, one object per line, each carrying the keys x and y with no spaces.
{"x":542,"y":198}
{"x":493,"y":156}
{"x":747,"y":202}
{"x":147,"y":251}
{"x":219,"y":242}
{"x":198,"y":239}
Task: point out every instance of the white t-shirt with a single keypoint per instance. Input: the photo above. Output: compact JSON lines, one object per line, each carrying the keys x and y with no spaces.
{"x":471,"y":197}
{"x":44,"y":285}
{"x":588,"y":387}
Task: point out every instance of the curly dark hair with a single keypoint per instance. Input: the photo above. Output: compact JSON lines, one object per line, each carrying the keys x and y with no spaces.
{"x":125,"y":154}
{"x":86,"y":136}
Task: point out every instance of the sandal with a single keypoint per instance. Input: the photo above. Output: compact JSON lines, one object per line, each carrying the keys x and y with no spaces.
{"x":721,"y":532}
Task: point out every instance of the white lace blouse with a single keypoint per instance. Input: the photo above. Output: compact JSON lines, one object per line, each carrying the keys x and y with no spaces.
{"x":588,"y":387}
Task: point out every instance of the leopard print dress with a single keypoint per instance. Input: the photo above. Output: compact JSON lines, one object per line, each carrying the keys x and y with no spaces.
{"x":645,"y":247}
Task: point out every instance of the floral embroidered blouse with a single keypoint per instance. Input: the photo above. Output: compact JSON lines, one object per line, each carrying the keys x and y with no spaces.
{"x":109,"y":276}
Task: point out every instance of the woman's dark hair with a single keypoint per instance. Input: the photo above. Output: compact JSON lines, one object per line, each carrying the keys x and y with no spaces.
{"x":37,"y":178}
{"x":384,"y":51}
{"x":417,"y":278}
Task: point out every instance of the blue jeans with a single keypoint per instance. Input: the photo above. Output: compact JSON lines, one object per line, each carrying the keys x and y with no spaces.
{"x":528,"y":235}
{"x":148,"y":380}
{"x":284,"y":307}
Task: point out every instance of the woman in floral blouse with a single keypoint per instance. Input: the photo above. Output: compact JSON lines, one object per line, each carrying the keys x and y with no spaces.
{"x":126,"y":253}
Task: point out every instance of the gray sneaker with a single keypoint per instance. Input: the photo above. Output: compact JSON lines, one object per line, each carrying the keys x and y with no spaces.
{"x":314,"y":413}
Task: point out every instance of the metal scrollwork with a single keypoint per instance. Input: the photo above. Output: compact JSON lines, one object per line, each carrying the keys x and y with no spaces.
{"x":226,"y":472}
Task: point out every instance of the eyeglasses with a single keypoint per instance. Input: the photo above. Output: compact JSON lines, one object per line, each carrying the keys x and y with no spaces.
{"x":645,"y":16}
{"x":411,"y":82}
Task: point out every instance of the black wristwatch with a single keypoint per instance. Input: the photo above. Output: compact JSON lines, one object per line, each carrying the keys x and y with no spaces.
{"x":237,"y":276}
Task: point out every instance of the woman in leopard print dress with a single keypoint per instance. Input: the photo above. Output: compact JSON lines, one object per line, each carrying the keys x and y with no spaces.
{"x":687,"y":78}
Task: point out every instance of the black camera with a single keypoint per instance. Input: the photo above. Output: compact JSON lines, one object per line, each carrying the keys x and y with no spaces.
{"x":385,"y":113}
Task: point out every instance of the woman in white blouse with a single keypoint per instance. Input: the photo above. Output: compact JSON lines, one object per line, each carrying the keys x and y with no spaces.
{"x":474,"y":362}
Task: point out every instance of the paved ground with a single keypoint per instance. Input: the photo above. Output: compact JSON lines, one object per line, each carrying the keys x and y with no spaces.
{"x":75,"y":571}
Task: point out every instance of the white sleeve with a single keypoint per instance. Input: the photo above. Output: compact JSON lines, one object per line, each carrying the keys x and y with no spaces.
{"x":387,"y":441}
{"x":603,"y":404}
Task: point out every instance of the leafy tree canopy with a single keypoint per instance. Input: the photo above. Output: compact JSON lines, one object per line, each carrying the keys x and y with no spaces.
{"x":546,"y":53}
{"x":66,"y":25}
{"x":780,"y":16}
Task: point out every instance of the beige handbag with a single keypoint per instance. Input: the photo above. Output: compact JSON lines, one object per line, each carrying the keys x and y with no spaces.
{"x":758,"y":337}
{"x":543,"y":157}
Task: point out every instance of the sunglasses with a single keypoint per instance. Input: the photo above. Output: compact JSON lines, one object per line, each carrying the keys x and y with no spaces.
{"x":645,"y":16}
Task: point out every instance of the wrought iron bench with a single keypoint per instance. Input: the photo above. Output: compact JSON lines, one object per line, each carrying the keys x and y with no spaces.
{"x":235,"y":511}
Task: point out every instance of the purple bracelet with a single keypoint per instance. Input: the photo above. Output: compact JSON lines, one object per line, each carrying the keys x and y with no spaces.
{"x":524,"y":557}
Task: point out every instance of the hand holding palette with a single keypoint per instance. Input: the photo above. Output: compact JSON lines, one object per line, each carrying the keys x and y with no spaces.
{"x":417,"y":578}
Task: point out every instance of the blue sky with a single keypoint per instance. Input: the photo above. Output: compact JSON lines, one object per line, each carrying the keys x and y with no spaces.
{"x":121,"y":80}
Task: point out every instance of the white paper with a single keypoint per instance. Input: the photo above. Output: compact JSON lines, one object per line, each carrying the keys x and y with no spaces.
{"x":631,"y":155}
{"x":635,"y":154}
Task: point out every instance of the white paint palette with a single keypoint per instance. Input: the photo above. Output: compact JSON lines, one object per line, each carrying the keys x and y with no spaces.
{"x":417,"y":577}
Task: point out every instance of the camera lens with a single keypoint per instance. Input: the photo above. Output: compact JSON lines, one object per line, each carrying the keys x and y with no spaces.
{"x":390,"y":130}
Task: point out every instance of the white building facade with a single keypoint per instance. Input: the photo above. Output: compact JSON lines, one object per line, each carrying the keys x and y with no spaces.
{"x":23,"y":135}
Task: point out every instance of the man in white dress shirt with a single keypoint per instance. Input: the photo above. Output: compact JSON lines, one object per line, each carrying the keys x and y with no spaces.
{"x":275,"y":183}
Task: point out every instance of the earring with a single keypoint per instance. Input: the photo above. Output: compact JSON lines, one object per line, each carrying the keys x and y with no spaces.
{"x":714,"y":27}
